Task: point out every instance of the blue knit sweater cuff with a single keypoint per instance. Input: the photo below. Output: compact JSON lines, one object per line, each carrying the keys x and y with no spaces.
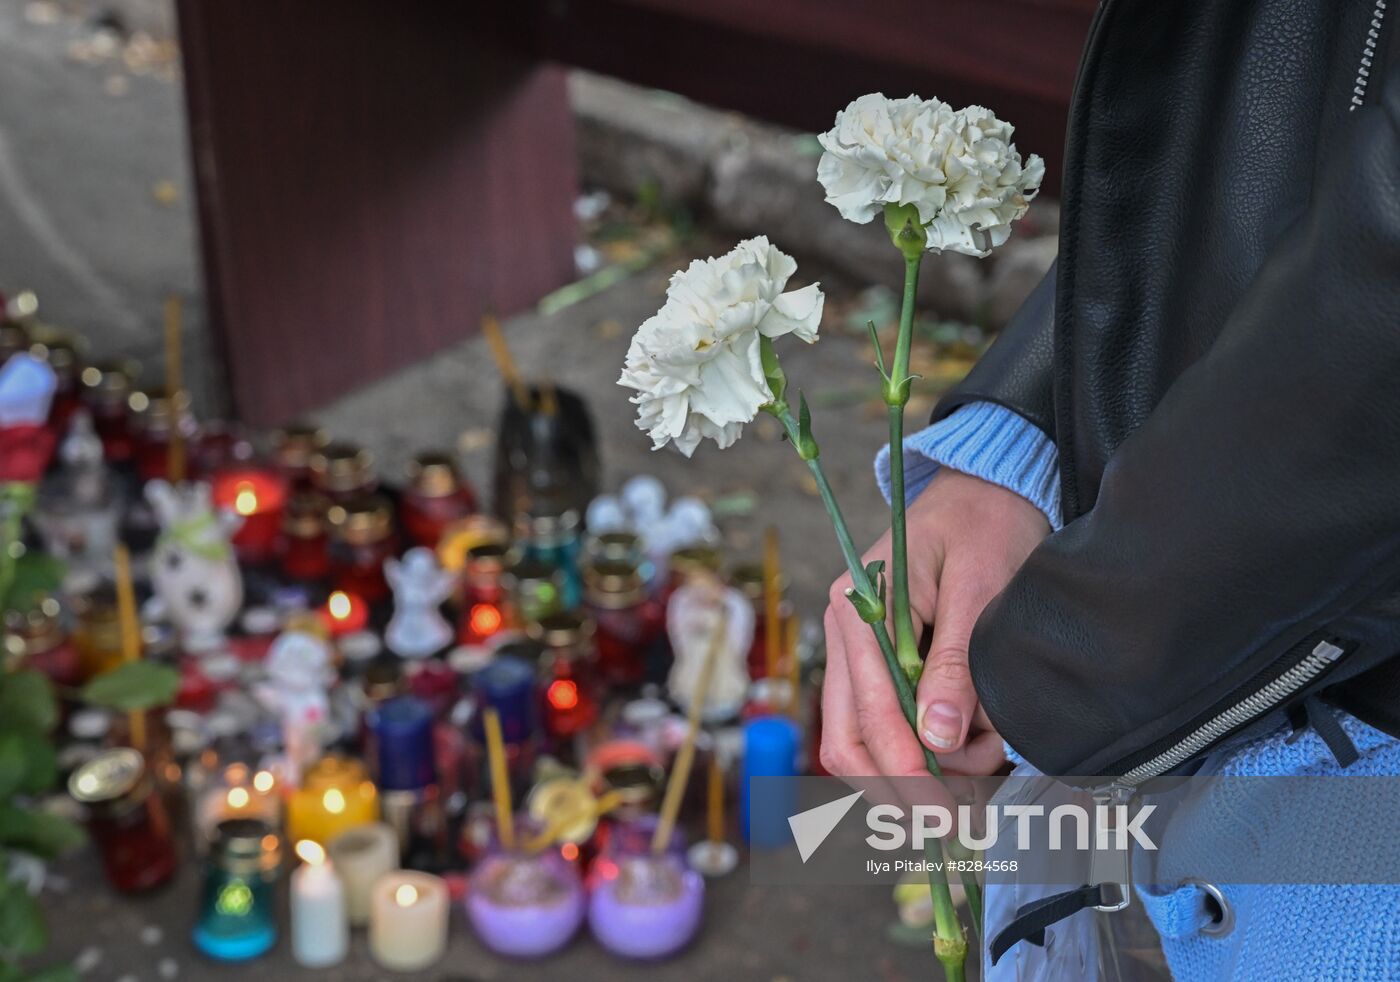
{"x":986,"y":441}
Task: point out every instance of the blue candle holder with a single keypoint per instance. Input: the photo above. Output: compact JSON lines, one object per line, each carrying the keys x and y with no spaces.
{"x":238,"y":911}
{"x":508,"y":685}
{"x":770,"y":751}
{"x":403,"y":741}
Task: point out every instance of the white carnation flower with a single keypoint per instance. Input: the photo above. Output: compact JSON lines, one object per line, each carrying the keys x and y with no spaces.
{"x":960,"y":169}
{"x":696,"y":364}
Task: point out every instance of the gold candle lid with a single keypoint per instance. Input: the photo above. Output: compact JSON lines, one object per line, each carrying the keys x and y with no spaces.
{"x":156,"y":409}
{"x":305,"y":515}
{"x":615,"y":547}
{"x":748,"y":579}
{"x":613,"y":585}
{"x":334,"y":771}
{"x":294,"y":445}
{"x":433,"y":474}
{"x":247,"y":845}
{"x":698,"y":559}
{"x":108,"y":778}
{"x":108,"y":382}
{"x":61,"y":355}
{"x":339,"y":468}
{"x":365,"y":519}
{"x":565,"y":805}
{"x":547,"y":530}
{"x":562,"y":632}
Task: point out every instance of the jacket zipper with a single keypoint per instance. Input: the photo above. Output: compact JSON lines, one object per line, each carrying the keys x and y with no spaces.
{"x":1262,"y":700}
{"x":1368,"y":56}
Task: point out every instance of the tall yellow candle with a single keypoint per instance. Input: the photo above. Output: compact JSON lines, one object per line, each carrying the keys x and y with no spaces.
{"x":174,"y":385}
{"x":772,"y":598}
{"x":500,"y":779}
{"x":130,"y":633}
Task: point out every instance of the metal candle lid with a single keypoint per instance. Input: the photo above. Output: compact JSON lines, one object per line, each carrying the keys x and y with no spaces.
{"x":305,"y":515}
{"x":108,"y":382}
{"x":247,"y":846}
{"x":565,"y":633}
{"x":339,"y":468}
{"x":108,"y":778}
{"x":613,"y":585}
{"x":60,"y":354}
{"x":535,"y":586}
{"x":295,"y":445}
{"x":363,"y":520}
{"x":697,"y":559}
{"x":157,"y":410}
{"x":433,"y":474}
{"x":618,"y":547}
{"x":748,"y":579}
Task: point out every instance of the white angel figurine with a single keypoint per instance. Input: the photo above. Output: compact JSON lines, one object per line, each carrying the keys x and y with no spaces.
{"x":299,"y":673}
{"x":693,"y":615}
{"x":420,"y":585}
{"x":194,"y":569}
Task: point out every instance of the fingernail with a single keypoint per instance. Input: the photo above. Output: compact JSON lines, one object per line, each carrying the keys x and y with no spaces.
{"x":942,"y":726}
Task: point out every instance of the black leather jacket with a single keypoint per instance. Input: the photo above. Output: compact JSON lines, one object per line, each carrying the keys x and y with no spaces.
{"x":1217,"y":357}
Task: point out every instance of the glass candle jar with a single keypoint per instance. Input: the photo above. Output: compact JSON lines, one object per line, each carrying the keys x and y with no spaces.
{"x":699,"y":559}
{"x":644,"y":905}
{"x":568,"y":685}
{"x":436,"y":496}
{"x":628,"y":623}
{"x":748,"y":579}
{"x":35,"y":639}
{"x":258,"y":495}
{"x":342,"y":471}
{"x":336,"y":794}
{"x":304,"y":548}
{"x":536,"y":590}
{"x":156,"y":417}
{"x":508,"y":685}
{"x":554,"y":540}
{"x":237,"y":905}
{"x":361,"y":538}
{"x":293,"y":447}
{"x":220,"y":446}
{"x":127,"y":819}
{"x":525,"y":904}
{"x":98,"y":636}
{"x":106,"y":389}
{"x":614,"y":547}
{"x":485,"y":602}
{"x":62,"y":357}
{"x":234,"y":790}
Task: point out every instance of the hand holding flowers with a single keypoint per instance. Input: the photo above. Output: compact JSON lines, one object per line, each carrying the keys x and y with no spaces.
{"x":705,"y":364}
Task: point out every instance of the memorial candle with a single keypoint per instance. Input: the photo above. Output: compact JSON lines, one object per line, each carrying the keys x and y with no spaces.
{"x":361,"y":856}
{"x":408,"y":921}
{"x":258,"y":496}
{"x":320,"y":932}
{"x":345,"y":613}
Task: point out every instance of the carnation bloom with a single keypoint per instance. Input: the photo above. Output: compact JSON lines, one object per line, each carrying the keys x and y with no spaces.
{"x":959,"y":169}
{"x":696,"y":363}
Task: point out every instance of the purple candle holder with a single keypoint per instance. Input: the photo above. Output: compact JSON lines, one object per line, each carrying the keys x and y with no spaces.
{"x":525,"y":906}
{"x":644,"y":906}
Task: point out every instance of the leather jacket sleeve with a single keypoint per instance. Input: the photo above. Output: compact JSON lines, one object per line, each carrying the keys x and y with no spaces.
{"x":1257,"y":504}
{"x":1015,"y":371}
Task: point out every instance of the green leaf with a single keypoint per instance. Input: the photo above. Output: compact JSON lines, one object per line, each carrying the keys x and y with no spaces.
{"x":22,"y":930}
{"x":132,"y":686}
{"x":40,"y":766}
{"x":772,"y":370}
{"x":12,"y":763}
{"x":27,"y":702}
{"x":807,"y":447}
{"x":875,"y":575}
{"x":879,"y":352}
{"x":36,"y":575}
{"x":41,"y":833}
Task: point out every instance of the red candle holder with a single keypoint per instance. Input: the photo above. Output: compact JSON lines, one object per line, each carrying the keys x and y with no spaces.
{"x":127,"y":819}
{"x":220,"y":447}
{"x":485,"y":606}
{"x":304,"y":547}
{"x":156,"y":417}
{"x":106,"y":388}
{"x":344,"y":613}
{"x":436,"y":497}
{"x":293,"y":448}
{"x":627,"y":622}
{"x":258,"y":496}
{"x":361,"y":539}
{"x":568,"y":686}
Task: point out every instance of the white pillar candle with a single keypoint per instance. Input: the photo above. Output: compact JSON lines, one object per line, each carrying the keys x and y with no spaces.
{"x":320,"y":931}
{"x":408,"y":920}
{"x":361,"y":856}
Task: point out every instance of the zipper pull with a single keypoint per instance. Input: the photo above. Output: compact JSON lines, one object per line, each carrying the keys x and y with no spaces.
{"x":1111,"y":861}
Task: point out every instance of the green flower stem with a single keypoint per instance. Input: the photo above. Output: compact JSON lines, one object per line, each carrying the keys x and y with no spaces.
{"x":950,"y":941}
{"x":896,"y":397}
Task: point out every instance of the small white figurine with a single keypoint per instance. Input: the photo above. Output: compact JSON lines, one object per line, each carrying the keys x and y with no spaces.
{"x":692,"y":617}
{"x":298,"y":674}
{"x":194,"y":570}
{"x":640,"y":507}
{"x":420,"y":585}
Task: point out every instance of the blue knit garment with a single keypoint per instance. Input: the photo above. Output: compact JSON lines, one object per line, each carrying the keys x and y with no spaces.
{"x":1283,"y":931}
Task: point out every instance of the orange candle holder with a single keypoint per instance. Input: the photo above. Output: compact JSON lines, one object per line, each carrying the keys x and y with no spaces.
{"x":336,"y":794}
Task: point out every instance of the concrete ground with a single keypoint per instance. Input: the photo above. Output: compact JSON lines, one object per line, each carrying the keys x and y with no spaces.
{"x":96,"y":217}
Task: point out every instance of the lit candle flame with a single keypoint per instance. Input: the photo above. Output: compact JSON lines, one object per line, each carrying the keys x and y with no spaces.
{"x":311,"y":853}
{"x":245,"y":500}
{"x":406,"y":895}
{"x":334,"y":801}
{"x":263,"y":781}
{"x":238,"y":798}
{"x":339,"y":605}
